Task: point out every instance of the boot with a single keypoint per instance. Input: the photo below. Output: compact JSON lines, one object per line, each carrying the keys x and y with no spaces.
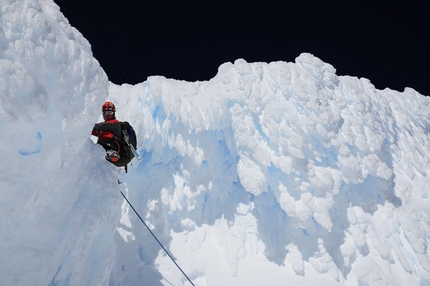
{"x":112,"y":156}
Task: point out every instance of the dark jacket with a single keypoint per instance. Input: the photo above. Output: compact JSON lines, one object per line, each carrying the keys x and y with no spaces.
{"x":107,"y":130}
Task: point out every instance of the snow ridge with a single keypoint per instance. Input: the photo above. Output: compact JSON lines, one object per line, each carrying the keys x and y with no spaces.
{"x":321,"y":165}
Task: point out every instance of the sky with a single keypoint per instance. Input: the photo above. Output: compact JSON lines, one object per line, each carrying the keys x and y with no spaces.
{"x":188,"y":40}
{"x":267,"y":174}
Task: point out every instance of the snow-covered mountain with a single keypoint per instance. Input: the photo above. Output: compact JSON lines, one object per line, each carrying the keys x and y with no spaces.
{"x":268,"y":174}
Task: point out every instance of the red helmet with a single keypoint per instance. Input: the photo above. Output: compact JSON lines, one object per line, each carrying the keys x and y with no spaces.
{"x":108,"y":106}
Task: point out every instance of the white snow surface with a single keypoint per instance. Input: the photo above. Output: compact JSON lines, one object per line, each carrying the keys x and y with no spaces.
{"x":279,"y":173}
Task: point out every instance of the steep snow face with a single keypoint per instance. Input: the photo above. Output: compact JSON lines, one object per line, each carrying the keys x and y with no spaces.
{"x":51,"y":209}
{"x":284,"y":161}
{"x":269,"y":172}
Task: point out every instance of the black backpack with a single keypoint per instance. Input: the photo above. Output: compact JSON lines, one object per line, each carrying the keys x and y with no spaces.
{"x":129,"y":131}
{"x":128,"y":137}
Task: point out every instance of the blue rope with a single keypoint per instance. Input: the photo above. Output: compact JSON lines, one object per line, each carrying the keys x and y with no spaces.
{"x":165,"y":250}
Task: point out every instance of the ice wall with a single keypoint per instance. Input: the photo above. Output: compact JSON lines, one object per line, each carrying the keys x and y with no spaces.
{"x":56,"y":209}
{"x":297,"y":164}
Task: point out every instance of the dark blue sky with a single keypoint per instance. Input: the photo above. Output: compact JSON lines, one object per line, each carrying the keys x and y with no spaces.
{"x":185,"y":40}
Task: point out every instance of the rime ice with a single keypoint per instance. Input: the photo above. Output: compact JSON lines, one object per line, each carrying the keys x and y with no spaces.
{"x":269,"y":172}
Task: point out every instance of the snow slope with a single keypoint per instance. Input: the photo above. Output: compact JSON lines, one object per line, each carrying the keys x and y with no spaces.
{"x":268,"y":174}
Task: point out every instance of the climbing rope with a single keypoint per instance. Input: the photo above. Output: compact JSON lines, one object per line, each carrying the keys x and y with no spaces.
{"x":165,"y":250}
